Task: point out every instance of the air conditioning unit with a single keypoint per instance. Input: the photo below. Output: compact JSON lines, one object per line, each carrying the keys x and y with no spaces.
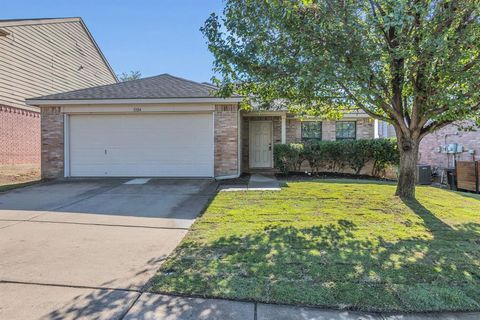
{"x":424,"y":174}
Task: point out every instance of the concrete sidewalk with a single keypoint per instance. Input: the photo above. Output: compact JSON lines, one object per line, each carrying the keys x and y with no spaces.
{"x":154,"y":306}
{"x":37,"y":301}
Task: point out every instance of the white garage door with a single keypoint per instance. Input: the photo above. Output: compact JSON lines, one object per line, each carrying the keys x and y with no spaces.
{"x":141,"y":145}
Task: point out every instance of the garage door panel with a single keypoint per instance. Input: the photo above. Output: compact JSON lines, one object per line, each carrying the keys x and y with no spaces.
{"x":172,"y":145}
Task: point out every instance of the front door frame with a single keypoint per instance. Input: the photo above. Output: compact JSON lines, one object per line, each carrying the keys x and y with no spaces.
{"x":250,"y":144}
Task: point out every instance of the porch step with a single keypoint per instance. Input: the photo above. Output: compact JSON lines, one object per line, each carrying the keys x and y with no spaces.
{"x":263,"y":182}
{"x":266,"y":172}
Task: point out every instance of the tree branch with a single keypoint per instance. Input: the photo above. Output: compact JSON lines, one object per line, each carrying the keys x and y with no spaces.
{"x":374,"y":6}
{"x":472,"y":63}
{"x":435,"y":125}
{"x":362,"y":106}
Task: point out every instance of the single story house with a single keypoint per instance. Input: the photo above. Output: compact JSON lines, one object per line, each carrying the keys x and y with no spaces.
{"x":165,"y":126}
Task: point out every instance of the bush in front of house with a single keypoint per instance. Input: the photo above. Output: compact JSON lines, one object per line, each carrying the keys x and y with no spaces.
{"x":385,"y":154}
{"x":336,"y":155}
{"x":288,"y":157}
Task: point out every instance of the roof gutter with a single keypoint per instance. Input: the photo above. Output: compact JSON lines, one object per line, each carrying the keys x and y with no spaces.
{"x":46,"y":102}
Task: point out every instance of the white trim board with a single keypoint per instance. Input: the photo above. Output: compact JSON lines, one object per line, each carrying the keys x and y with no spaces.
{"x":139,"y":108}
{"x":42,"y":102}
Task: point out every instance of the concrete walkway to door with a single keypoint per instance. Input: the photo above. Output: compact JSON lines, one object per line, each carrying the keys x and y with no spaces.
{"x":256,"y":182}
{"x":86,"y":248}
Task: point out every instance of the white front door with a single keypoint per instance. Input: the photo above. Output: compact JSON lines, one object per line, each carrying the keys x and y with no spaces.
{"x":261,"y":144}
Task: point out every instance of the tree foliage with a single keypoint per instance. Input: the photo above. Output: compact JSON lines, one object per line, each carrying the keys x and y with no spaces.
{"x":128,"y":76}
{"x":412,"y":63}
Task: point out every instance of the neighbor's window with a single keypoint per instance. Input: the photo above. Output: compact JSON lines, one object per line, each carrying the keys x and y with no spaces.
{"x":311,"y":131}
{"x":346,"y":130}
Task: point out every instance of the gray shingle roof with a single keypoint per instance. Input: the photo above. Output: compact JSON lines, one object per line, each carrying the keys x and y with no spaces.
{"x":158,"y":87}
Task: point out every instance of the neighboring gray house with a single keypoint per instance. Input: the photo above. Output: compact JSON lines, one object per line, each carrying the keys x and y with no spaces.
{"x":40,"y":57}
{"x":166,"y":126}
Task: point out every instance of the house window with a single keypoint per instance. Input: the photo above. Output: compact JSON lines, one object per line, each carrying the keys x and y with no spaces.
{"x":346,"y":130}
{"x":311,"y":131}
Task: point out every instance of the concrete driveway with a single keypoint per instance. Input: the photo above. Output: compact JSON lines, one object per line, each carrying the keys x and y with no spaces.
{"x":86,"y":248}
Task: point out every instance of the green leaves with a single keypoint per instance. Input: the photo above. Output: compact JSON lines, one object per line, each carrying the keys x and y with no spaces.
{"x":336,"y":155}
{"x":389,"y":57}
{"x":414,"y":64}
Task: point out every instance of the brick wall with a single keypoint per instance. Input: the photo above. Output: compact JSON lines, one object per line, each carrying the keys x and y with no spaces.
{"x":294,"y":131}
{"x":428,"y":153}
{"x":226,"y":140}
{"x":365,"y":130}
{"x":52,"y":142}
{"x":19,"y":136}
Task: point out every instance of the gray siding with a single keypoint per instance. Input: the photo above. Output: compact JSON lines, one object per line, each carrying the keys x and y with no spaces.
{"x":47,"y":57}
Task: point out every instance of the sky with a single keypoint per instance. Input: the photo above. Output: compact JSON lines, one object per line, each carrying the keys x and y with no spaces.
{"x":153,"y":37}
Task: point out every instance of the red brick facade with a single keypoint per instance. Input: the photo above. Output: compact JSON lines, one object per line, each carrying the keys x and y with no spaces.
{"x":431,"y":146}
{"x":19,"y":136}
{"x":365,"y":130}
{"x":226,"y":140}
{"x":52,"y":142}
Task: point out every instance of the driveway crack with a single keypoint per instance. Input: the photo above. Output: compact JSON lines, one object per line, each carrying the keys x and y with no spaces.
{"x":70,"y":286}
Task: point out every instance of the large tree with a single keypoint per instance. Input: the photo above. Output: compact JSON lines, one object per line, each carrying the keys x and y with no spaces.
{"x":412,"y":63}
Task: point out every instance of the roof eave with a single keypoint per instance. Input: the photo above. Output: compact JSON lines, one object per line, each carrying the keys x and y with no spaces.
{"x":46,"y":102}
{"x":34,"y":21}
{"x":95,"y":44}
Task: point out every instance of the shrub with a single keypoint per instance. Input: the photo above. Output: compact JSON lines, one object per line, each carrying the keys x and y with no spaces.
{"x":335,"y":155}
{"x":385,"y":153}
{"x":315,"y":155}
{"x":288,"y":157}
{"x":358,"y":153}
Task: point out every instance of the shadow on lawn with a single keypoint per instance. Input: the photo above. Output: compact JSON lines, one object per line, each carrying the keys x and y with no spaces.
{"x":468,"y":195}
{"x":330,"y":266}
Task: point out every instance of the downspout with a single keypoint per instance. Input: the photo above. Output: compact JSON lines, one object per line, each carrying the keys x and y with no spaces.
{"x":239,"y":151}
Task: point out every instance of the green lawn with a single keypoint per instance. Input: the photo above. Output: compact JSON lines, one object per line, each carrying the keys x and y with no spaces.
{"x":7,"y":187}
{"x":333,"y":243}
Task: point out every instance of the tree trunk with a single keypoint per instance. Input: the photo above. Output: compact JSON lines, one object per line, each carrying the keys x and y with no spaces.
{"x":408,"y":149}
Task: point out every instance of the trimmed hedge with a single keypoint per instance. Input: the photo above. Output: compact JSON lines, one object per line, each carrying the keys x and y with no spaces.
{"x":336,"y":155}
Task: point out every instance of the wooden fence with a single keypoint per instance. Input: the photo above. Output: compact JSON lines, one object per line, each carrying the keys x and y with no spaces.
{"x":467,"y":173}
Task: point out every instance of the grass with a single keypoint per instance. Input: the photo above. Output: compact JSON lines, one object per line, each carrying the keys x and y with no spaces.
{"x":8,"y":187}
{"x":333,"y":243}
